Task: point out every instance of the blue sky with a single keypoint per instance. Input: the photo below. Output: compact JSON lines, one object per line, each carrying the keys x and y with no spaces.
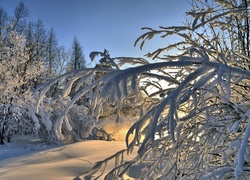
{"x":99,"y":24}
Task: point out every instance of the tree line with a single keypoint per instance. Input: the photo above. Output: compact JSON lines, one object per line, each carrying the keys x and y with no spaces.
{"x":29,"y":56}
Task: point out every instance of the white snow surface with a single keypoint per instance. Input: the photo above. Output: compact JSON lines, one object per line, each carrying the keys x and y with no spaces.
{"x":27,"y":158}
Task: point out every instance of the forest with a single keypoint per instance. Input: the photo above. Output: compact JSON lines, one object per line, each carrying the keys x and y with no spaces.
{"x":195,"y":124}
{"x":30,"y":56}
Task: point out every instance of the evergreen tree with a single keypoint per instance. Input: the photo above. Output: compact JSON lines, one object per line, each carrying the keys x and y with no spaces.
{"x":77,"y":57}
{"x":103,"y":63}
{"x":51,"y":53}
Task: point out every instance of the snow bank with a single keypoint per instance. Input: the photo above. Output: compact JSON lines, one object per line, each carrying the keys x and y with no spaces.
{"x":63,"y":162}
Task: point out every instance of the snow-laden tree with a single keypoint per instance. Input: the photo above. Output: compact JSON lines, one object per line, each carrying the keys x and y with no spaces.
{"x":196,"y":122}
{"x":16,"y":73}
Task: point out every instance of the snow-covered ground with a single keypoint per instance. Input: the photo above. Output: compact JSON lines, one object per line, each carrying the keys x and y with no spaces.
{"x":31,"y":159}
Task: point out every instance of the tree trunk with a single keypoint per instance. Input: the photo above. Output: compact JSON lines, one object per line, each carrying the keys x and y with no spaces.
{"x":2,"y":134}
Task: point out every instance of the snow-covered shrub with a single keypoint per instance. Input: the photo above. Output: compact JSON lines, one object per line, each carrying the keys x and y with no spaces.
{"x":75,"y":123}
{"x":194,"y":125}
{"x":80,"y":89}
{"x":196,"y":130}
{"x":197,"y":121}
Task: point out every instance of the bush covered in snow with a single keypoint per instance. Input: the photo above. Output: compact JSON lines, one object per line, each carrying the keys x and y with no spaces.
{"x":199,"y":125}
{"x":196,"y":122}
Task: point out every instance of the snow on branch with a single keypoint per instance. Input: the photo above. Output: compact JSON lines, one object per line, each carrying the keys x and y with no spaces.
{"x":187,"y":114}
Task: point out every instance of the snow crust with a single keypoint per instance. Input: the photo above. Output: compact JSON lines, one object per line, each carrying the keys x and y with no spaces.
{"x":33,"y":160}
